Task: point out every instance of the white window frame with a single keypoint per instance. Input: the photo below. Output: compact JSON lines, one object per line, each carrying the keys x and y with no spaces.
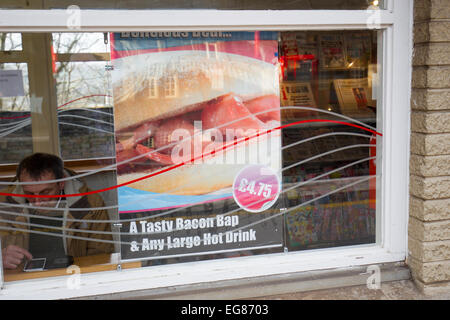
{"x":392,"y":218}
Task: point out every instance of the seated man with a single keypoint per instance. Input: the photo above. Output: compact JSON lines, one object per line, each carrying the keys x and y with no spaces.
{"x":39,"y":233}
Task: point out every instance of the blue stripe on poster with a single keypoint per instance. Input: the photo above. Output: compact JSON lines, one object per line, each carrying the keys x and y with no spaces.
{"x":131,"y":199}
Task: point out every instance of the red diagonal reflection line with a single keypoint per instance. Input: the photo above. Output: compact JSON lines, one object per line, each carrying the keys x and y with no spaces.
{"x":232,"y":144}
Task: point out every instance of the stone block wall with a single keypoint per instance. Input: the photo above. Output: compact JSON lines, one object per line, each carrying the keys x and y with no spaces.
{"x":83,"y":134}
{"x":429,"y":220}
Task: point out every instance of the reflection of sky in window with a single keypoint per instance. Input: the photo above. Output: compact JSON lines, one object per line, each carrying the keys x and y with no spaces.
{"x":11,"y":42}
{"x":79,"y":42}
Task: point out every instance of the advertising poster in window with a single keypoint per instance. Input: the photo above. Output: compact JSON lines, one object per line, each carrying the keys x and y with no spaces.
{"x":197,"y":146}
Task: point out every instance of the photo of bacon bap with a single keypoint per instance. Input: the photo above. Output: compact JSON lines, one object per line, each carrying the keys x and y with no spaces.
{"x":174,"y":107}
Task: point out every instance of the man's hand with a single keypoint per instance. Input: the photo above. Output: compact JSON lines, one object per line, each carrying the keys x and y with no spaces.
{"x":12,"y":256}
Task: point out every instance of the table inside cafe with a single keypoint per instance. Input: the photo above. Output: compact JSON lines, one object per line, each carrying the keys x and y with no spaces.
{"x":87,"y":264}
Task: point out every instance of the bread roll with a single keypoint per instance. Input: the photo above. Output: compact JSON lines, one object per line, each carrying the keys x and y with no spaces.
{"x":160,"y":85}
{"x":215,"y":173}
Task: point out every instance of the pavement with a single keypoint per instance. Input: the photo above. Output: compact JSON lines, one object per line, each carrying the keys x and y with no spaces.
{"x":393,"y":290}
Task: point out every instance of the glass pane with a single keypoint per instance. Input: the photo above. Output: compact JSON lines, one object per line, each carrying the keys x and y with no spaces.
{"x":328,"y":75}
{"x":15,"y":121}
{"x":308,"y":181}
{"x":328,"y":195}
{"x":83,"y":97}
{"x":225,"y":4}
{"x":67,"y":102}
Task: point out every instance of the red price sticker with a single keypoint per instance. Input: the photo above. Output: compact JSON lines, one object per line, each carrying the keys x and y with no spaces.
{"x":256,"y":188}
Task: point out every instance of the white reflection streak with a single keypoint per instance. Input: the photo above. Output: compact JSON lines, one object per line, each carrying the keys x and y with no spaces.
{"x":192,"y":181}
{"x":323,"y":111}
{"x":300,"y":184}
{"x":86,"y":109}
{"x":54,"y":227}
{"x":85,"y":118}
{"x":327,"y":135}
{"x":62,"y":236}
{"x":172,"y":211}
{"x":81,"y":126}
{"x":305,"y":203}
{"x":233,"y":230}
{"x":13,"y":127}
{"x":28,"y":120}
{"x":13,"y":123}
{"x":149,"y":197}
{"x":114,"y":166}
{"x":271,"y":216}
{"x":16,"y":128}
{"x":326,"y":153}
{"x":163,"y":213}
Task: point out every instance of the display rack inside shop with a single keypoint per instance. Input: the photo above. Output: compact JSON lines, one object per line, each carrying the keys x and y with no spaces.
{"x":343,"y":218}
{"x":334,"y":71}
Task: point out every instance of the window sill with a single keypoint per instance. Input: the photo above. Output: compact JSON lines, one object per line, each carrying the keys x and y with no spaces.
{"x":206,"y":275}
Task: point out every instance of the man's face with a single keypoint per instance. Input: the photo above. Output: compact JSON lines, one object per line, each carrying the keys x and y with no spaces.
{"x":45,"y":188}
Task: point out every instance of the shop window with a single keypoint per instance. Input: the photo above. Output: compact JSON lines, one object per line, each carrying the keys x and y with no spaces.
{"x":310,"y":102}
{"x":84,"y":110}
{"x":10,"y":42}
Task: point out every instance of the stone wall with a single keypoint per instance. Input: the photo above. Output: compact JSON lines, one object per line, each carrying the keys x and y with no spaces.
{"x":88,"y":137}
{"x":83,"y":134}
{"x":429,"y":221}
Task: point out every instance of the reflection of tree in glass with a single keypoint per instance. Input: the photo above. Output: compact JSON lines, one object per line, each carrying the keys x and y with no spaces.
{"x":81,"y":79}
{"x":73,"y":79}
{"x":83,"y":90}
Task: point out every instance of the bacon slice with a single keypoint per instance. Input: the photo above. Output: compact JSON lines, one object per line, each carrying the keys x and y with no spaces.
{"x":225,"y":109}
{"x":124,"y":155}
{"x":264,"y":103}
